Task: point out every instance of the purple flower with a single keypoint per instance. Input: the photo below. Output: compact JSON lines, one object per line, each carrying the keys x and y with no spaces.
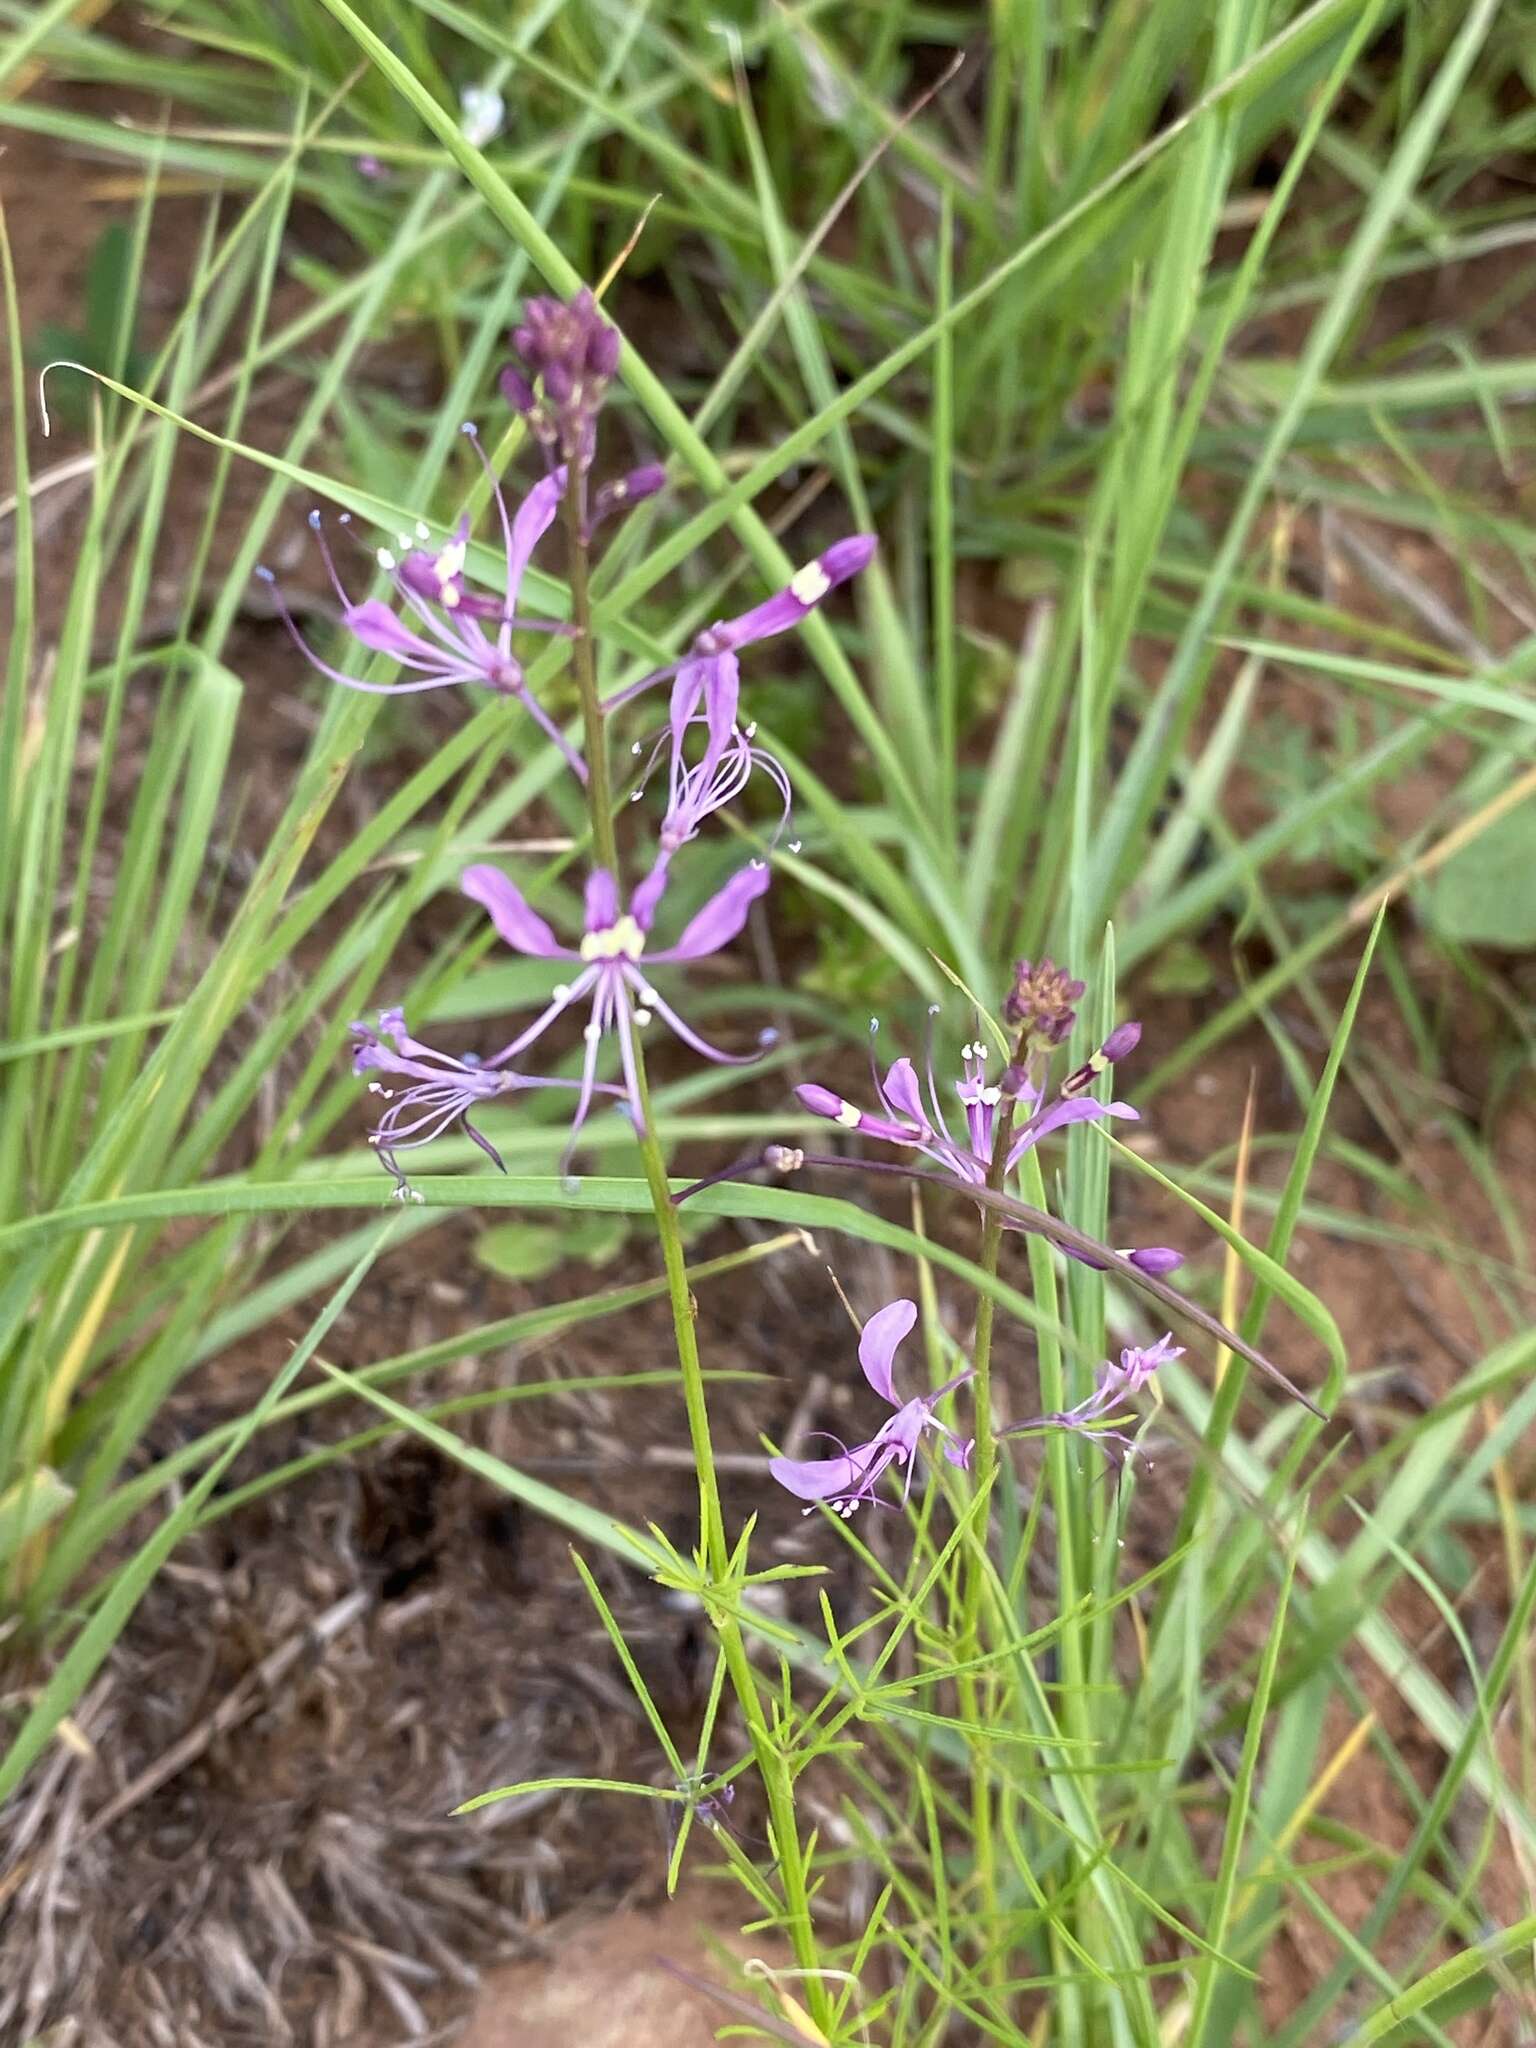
{"x":924,"y":1127}
{"x":845,"y":1481}
{"x":1113,"y":1386}
{"x":443,"y":1091}
{"x":449,"y":633}
{"x":706,"y":690}
{"x":613,"y":944}
{"x":696,"y":791}
{"x":908,"y":1120}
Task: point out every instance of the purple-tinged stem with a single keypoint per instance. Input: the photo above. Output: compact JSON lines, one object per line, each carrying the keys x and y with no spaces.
{"x":1023,"y":1216}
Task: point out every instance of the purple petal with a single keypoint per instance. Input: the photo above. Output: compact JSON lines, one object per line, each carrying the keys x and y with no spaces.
{"x":645,"y":899}
{"x":530,"y":523}
{"x":881,"y":1336}
{"x":823,"y":1478}
{"x":722,"y":916}
{"x":822,"y":1102}
{"x":1122,"y":1040}
{"x":522,"y":928}
{"x":715,"y":681}
{"x":800,"y":596}
{"x":1156,"y":1258}
{"x":602,"y":898}
{"x":643,"y":482}
{"x":516,"y":390}
{"x":1079,"y":1110}
{"x":381,"y":632}
{"x":902,"y":1092}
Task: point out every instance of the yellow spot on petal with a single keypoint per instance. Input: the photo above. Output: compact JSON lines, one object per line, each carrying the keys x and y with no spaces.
{"x":622,"y":940}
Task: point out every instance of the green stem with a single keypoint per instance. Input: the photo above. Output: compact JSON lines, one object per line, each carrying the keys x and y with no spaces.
{"x":978,"y":1709}
{"x":772,"y":1763}
{"x":599,"y":784}
{"x":991,"y":1244}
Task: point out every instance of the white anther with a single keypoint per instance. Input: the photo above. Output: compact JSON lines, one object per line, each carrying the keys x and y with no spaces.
{"x":423,"y":531}
{"x":375,"y":1087}
{"x":448,"y":597}
{"x":849,"y":1116}
{"x":991,"y":1097}
{"x":759,"y":864}
{"x":385,"y":559}
{"x":592,"y":1032}
{"x":561,"y":992}
{"x":795,"y":845}
{"x":635,"y":747}
{"x":752,"y":730}
{"x":980,"y":1050}
{"x":618,"y":490}
{"x":810,"y":585}
{"x":403,"y":540}
{"x":642,"y":1016}
{"x":417,"y":1195}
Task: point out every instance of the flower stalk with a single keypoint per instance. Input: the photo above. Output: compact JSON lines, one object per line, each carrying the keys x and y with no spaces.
{"x":599,"y":782}
{"x":773,"y":1765}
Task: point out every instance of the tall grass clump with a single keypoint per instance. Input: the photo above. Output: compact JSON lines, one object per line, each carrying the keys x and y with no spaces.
{"x":1057,"y":1768}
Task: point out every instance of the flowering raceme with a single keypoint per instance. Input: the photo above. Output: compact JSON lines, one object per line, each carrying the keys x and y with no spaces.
{"x":444,"y":630}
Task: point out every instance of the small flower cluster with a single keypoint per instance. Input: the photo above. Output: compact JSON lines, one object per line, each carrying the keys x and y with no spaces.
{"x":850,"y":1478}
{"x":918,"y":1121}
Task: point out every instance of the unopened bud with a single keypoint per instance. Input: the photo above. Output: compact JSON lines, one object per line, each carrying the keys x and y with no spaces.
{"x":517,"y":391}
{"x":1042,"y":1002}
{"x":575,"y":352}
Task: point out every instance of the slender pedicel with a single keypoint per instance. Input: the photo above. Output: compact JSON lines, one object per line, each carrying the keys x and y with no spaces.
{"x":1023,"y":1216}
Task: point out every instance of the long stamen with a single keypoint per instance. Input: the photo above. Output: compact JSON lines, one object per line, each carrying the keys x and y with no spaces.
{"x":592,"y":1031}
{"x":561,"y":1001}
{"x":317,"y":527}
